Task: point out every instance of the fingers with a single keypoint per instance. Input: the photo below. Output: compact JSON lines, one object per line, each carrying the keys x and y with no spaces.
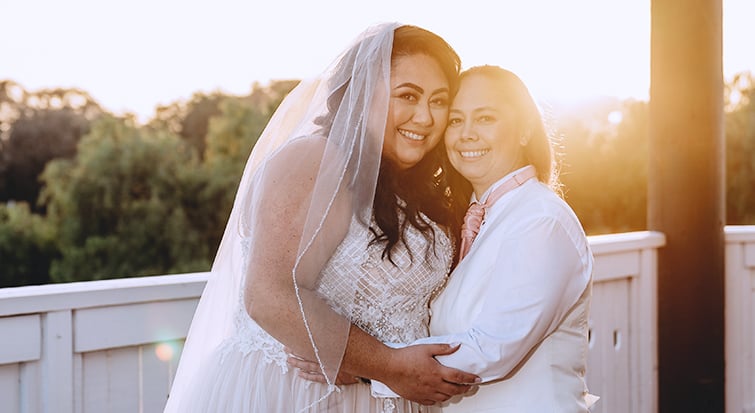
{"x":443,"y":349}
{"x":317,"y":377}
{"x":460,"y":377}
{"x":453,"y":389}
{"x":302,"y":364}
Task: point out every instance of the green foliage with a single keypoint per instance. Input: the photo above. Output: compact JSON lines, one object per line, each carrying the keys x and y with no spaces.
{"x":26,"y":246}
{"x":154,"y":199}
{"x":123,"y":205}
{"x":740,"y":151}
{"x":36,"y":127}
{"x":139,"y":201}
{"x":604,"y":166}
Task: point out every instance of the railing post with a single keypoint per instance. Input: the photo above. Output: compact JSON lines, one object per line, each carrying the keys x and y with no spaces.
{"x":686,"y":198}
{"x":57,"y":362}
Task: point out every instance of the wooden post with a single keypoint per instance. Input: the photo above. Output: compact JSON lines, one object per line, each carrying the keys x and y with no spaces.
{"x":687,"y":201}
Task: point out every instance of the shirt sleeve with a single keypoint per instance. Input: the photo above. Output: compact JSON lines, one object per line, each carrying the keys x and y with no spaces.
{"x":539,"y":275}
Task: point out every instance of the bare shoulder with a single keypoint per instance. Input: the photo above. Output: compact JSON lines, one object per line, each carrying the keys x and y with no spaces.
{"x":297,"y":161}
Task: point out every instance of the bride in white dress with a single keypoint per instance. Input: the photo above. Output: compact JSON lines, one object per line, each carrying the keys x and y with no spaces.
{"x":339,"y":232}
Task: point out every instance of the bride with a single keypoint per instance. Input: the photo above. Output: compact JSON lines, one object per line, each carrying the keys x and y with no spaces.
{"x":341,"y":230}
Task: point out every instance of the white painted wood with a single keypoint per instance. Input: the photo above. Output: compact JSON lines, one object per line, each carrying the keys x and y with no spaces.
{"x":740,"y":319}
{"x":10,"y":388}
{"x":86,"y":294}
{"x":156,"y":377}
{"x":644,"y":333}
{"x":736,"y":295}
{"x":110,"y":381}
{"x":749,"y":255}
{"x":30,"y":387}
{"x":608,"y":373}
{"x":616,"y":266}
{"x":130,"y":377}
{"x":57,"y":362}
{"x":21,"y":338}
{"x":627,"y":241}
{"x":78,"y":383}
{"x":129,"y":325}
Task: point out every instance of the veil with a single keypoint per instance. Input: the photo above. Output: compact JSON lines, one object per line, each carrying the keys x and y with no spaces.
{"x":312,"y":172}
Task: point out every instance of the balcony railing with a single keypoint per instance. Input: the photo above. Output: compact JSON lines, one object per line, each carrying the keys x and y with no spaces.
{"x":112,"y":346}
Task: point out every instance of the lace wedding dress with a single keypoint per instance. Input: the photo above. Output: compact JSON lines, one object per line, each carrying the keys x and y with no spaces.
{"x":248,"y":371}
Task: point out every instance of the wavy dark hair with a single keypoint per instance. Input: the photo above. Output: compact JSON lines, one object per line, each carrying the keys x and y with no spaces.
{"x":429,"y":188}
{"x":425,"y":189}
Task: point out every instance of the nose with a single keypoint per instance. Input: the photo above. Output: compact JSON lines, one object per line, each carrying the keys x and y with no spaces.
{"x":422,"y":115}
{"x":468,"y":132}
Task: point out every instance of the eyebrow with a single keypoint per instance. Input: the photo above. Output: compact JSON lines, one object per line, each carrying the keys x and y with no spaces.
{"x":480,"y":109}
{"x":419,"y":89}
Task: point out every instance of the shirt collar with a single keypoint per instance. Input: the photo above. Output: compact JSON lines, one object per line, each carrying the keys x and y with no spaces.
{"x":495,"y":185}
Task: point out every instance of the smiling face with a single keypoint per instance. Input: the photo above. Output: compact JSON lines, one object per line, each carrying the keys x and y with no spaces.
{"x":483,"y":136}
{"x":418,"y":109}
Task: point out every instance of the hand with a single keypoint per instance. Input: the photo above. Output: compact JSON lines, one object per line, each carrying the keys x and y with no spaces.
{"x":415,"y":374}
{"x":310,"y":370}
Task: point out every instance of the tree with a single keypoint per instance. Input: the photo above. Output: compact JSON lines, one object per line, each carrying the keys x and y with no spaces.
{"x":604,"y":166}
{"x":27,"y":246}
{"x":36,"y":127}
{"x":123,"y":205}
{"x":740,"y":150}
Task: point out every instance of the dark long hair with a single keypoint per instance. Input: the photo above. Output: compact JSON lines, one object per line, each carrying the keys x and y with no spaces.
{"x":424,"y":189}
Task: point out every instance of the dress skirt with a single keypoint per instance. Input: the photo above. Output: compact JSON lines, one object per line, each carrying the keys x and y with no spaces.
{"x":241,"y":379}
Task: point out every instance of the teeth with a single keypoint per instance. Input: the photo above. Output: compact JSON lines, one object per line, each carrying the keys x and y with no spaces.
{"x":473,"y":154}
{"x":411,"y":135}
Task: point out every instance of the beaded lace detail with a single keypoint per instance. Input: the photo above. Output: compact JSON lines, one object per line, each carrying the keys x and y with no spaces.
{"x":390,"y":302}
{"x":387,"y":301}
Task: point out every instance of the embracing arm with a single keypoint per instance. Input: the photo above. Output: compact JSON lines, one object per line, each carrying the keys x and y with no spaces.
{"x":539,"y":275}
{"x":271,"y":299}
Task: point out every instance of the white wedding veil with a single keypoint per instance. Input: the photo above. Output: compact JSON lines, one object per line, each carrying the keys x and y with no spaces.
{"x":313,"y":170}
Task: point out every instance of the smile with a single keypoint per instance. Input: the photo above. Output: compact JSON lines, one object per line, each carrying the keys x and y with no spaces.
{"x":411,"y":135}
{"x":473,"y":154}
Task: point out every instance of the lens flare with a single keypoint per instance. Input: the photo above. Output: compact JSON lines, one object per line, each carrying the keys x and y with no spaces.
{"x":164,"y":352}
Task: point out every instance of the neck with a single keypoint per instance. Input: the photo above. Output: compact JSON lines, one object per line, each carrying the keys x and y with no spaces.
{"x":480,"y":188}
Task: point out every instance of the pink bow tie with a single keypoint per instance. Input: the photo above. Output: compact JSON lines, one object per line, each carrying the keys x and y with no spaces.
{"x":476,"y":212}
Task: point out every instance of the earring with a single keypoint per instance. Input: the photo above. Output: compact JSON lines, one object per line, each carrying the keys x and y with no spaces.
{"x":524,"y":140}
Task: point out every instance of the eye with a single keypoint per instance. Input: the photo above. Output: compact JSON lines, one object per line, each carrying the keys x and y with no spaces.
{"x":408,"y":96}
{"x":441,"y":102}
{"x":454,"y":121}
{"x":485,"y":119}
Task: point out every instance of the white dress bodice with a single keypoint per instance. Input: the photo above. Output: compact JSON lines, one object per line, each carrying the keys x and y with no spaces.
{"x":390,"y":302}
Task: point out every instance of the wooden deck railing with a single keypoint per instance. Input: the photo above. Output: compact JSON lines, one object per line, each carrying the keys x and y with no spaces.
{"x":112,"y":346}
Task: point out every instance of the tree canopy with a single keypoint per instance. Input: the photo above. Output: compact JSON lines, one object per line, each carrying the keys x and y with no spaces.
{"x":88,"y":195}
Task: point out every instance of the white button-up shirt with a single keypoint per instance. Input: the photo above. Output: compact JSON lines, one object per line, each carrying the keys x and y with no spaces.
{"x":518,"y":304}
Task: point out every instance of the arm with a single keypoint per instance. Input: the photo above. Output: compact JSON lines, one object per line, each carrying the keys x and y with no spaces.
{"x":540,"y":273}
{"x":271,"y":298}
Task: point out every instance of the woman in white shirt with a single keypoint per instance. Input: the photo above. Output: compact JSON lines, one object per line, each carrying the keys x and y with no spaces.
{"x":519,"y":298}
{"x":518,"y":301}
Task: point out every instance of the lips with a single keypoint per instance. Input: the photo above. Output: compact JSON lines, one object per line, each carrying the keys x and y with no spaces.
{"x":473,"y":154}
{"x":411,"y":135}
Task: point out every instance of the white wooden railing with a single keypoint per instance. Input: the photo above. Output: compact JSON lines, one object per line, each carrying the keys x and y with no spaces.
{"x":112,"y":346}
{"x":739,"y":313}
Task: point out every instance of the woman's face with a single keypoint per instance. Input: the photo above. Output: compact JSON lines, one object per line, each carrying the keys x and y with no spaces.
{"x":482,"y":138}
{"x":417,"y":111}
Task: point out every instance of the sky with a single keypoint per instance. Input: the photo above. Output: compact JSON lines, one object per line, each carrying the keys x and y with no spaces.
{"x":133,"y":55}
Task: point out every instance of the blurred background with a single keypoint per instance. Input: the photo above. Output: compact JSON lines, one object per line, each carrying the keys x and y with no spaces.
{"x":124,"y":126}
